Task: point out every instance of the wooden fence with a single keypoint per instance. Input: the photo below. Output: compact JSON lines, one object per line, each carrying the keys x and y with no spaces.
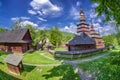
{"x":77,"y":54}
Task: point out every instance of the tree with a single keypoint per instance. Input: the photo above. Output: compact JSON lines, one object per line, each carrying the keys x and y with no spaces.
{"x":110,"y":8}
{"x":32,"y":32}
{"x":67,"y":36}
{"x":55,"y":36}
{"x":2,"y":29}
{"x":118,"y":37}
{"x":41,"y":36}
{"x":17,"y":24}
{"x":110,"y":40}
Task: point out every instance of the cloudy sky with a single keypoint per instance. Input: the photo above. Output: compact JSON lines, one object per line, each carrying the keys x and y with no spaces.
{"x":45,"y":14}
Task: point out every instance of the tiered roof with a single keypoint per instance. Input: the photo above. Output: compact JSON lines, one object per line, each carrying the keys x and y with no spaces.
{"x":81,"y":39}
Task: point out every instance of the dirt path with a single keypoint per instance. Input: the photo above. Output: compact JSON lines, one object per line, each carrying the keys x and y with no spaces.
{"x":43,"y":54}
{"x":82,"y":74}
{"x":41,"y":64}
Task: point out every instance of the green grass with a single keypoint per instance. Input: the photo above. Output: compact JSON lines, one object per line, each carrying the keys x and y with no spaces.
{"x":60,"y":49}
{"x":106,"y":68}
{"x":36,"y":58}
{"x":3,"y":54}
{"x":61,"y":72}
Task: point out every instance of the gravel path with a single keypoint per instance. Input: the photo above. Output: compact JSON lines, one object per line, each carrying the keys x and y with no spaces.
{"x":41,"y":64}
{"x":82,"y":74}
{"x":43,"y":54}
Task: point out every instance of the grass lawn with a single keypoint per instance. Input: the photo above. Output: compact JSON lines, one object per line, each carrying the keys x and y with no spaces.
{"x":60,"y":49}
{"x":106,"y":68}
{"x":61,"y":72}
{"x":39,"y":57}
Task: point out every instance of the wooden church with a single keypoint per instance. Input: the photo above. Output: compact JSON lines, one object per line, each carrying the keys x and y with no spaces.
{"x":86,"y":37}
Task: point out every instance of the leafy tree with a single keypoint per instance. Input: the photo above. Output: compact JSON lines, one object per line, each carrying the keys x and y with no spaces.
{"x":110,"y":8}
{"x":17,"y":24}
{"x":118,"y":36}
{"x":110,"y":40}
{"x":32,"y":32}
{"x":41,"y":36}
{"x":2,"y":29}
{"x":66,"y":36}
{"x":55,"y":36}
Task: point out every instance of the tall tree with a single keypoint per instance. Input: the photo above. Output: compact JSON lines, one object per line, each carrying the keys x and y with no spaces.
{"x":32,"y":32}
{"x":110,"y":40}
{"x":41,"y":36}
{"x":111,"y":9}
{"x":17,"y":24}
{"x":2,"y":29}
{"x":55,"y":36}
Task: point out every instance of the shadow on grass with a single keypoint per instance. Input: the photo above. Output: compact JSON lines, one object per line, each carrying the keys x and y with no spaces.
{"x":28,"y":68}
{"x":5,"y":76}
{"x":65,"y":72}
{"x":1,"y":63}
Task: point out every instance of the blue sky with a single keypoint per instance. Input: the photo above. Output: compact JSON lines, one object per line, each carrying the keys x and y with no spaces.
{"x":45,"y":14}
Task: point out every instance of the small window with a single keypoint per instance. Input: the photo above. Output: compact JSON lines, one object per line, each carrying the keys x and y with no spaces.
{"x":99,"y":42}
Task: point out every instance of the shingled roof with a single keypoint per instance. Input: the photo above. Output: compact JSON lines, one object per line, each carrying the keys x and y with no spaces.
{"x":13,"y":36}
{"x":13,"y":59}
{"x":81,"y":39}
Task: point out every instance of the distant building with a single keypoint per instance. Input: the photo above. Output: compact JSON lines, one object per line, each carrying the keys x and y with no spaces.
{"x":14,"y":63}
{"x":86,"y":37}
{"x":15,"y":41}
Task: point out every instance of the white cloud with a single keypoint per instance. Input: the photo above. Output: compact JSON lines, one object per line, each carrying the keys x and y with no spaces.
{"x":42,"y":28}
{"x":92,"y":13}
{"x":42,"y":19}
{"x":45,"y":7}
{"x":32,"y":12}
{"x":99,"y":20}
{"x":17,"y":18}
{"x":105,"y":29}
{"x":71,"y":28}
{"x":25,"y":18}
{"x":94,"y":5}
{"x":74,"y":13}
{"x":24,"y":23}
{"x":78,"y":3}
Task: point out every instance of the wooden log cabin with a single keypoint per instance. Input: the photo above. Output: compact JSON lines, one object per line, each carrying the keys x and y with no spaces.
{"x":14,"y":63}
{"x":15,"y":41}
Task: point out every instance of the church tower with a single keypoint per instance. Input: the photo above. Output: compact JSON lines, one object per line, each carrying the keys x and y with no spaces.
{"x":83,"y":26}
{"x":96,"y":36}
